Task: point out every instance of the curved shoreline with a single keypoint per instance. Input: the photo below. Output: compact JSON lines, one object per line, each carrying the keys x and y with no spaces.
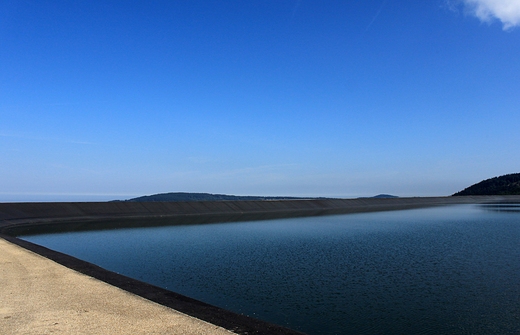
{"x":83,"y":216}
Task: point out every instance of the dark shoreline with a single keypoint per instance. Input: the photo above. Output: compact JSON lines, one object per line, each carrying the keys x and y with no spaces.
{"x":25,"y":217}
{"x":17,"y":218}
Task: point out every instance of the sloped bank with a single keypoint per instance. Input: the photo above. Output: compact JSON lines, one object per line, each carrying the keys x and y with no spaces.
{"x":18,"y":217}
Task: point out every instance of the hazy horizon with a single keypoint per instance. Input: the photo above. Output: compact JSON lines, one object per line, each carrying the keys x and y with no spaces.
{"x":44,"y":197}
{"x":113,"y":100}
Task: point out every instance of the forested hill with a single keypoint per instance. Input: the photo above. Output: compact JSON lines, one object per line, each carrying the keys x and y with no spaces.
{"x":183,"y":196}
{"x":508,"y":184}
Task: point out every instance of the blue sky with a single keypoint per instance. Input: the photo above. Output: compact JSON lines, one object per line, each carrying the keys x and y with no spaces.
{"x":114,"y":99}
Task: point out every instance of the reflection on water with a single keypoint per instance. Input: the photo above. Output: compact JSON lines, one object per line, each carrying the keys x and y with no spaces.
{"x":509,"y":207}
{"x":450,"y":270}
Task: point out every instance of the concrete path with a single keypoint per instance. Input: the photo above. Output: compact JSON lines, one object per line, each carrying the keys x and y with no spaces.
{"x":39,"y":296}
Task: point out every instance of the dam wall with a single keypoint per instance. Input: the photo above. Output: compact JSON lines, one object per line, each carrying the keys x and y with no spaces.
{"x":39,"y":213}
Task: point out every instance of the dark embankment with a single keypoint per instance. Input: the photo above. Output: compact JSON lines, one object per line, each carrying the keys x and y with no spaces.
{"x":25,"y":218}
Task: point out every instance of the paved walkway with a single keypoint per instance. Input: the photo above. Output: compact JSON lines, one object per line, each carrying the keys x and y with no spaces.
{"x":39,"y":296}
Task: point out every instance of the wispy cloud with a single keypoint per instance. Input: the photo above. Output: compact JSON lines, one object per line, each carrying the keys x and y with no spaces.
{"x":295,"y":9}
{"x":262,"y":170}
{"x":507,"y":11}
{"x":46,"y":139}
{"x":377,"y":14}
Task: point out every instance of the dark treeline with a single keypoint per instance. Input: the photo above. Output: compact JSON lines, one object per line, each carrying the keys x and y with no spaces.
{"x":184,"y":196}
{"x":508,"y":184}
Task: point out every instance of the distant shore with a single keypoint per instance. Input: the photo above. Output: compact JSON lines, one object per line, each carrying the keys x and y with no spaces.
{"x":88,"y":215}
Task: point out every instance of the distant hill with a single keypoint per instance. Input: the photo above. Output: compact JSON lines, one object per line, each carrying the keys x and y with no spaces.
{"x":183,"y":196}
{"x":508,"y":184}
{"x":381,"y":196}
{"x":385,"y":196}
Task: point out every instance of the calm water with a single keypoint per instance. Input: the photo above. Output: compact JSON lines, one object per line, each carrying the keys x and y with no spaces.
{"x":450,"y":270}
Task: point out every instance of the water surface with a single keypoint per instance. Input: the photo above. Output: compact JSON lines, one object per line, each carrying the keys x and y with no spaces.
{"x":450,"y":270}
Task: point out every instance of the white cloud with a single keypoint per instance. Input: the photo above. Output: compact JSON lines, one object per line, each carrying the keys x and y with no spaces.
{"x":507,"y":11}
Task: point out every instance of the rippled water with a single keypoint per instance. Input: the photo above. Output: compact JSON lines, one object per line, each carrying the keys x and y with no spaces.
{"x":450,"y":270}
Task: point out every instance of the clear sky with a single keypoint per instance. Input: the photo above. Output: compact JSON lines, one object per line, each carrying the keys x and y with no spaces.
{"x":109,"y":99}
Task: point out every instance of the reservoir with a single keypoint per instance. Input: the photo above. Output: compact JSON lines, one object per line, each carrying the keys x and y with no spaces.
{"x":442,"y":270}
